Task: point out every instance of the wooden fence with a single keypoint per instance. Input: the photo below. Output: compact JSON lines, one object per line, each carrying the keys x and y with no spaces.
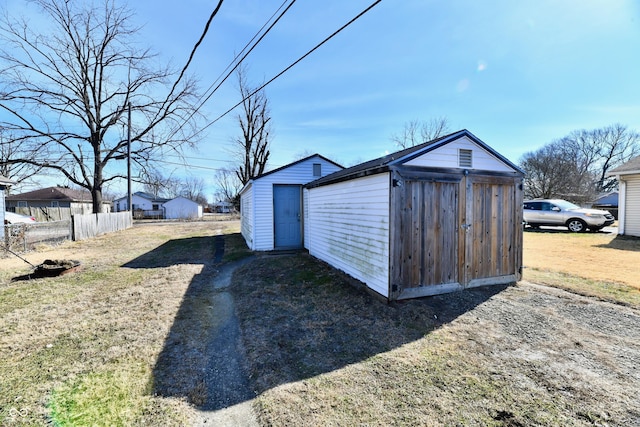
{"x":25,"y":237}
{"x":87,"y":226}
{"x":48,"y":214}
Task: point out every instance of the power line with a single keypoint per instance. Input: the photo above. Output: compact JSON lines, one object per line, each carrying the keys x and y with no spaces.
{"x":293,"y":64}
{"x":237,"y":62}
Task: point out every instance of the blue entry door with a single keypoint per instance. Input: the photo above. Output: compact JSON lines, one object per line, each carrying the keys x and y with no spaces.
{"x":287,"y":219}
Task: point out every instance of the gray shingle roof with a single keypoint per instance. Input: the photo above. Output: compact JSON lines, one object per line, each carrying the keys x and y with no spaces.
{"x":383,"y":163}
{"x":53,"y":193}
{"x":632,"y":166}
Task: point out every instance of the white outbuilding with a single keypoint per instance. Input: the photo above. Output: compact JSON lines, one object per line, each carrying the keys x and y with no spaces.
{"x":628,"y":176}
{"x":182,"y":208}
{"x":438,"y":217}
{"x":271,"y":208}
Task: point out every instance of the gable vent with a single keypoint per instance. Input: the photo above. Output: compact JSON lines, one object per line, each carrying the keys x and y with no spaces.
{"x":465,"y":159}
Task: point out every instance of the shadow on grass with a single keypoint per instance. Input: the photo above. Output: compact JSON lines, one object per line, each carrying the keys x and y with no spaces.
{"x":192,"y":250}
{"x":623,"y":243}
{"x":560,"y":230}
{"x":283,"y":318}
{"x":195,"y":350}
{"x":301,"y":318}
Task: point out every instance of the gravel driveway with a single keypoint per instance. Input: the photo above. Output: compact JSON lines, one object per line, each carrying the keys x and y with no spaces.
{"x":548,"y":340}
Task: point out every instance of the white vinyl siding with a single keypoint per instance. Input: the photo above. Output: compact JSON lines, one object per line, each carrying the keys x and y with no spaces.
{"x":298,"y":173}
{"x":181,"y":208}
{"x":246,"y":215}
{"x":447,"y":156}
{"x":632,"y":206}
{"x":348,"y":227}
{"x":305,"y":216}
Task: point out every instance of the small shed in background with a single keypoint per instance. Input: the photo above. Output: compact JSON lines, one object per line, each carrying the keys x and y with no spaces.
{"x":438,"y":217}
{"x":271,"y":204}
{"x":182,"y":208}
{"x":628,"y":176}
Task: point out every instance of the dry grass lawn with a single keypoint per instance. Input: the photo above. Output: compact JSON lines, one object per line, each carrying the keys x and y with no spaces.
{"x":604,"y":265}
{"x":87,"y":348}
{"x":82,"y":349}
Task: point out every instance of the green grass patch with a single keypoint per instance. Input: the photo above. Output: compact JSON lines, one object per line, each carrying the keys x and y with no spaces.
{"x":235,"y":248}
{"x":114,"y":397}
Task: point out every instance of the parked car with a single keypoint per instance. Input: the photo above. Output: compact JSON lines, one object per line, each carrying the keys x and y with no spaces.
{"x":560,"y":212}
{"x":14,"y":218}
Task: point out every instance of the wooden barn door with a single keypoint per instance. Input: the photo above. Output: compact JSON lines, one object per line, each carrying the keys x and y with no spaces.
{"x":493,"y":213}
{"x":426,"y":248}
{"x":451,"y":232}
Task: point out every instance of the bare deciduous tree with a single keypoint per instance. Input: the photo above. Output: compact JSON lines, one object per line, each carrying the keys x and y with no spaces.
{"x":65,"y":92}
{"x":155,"y":182}
{"x":227,"y":185}
{"x":604,"y":149}
{"x":193,"y":189}
{"x":555,"y":171}
{"x":20,"y":173}
{"x":252,"y":147}
{"x":575,"y":167}
{"x":417,"y":132}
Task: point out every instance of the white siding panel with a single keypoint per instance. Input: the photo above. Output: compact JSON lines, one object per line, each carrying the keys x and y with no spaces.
{"x":447,"y":157}
{"x":632,"y":206}
{"x":299,"y":173}
{"x":348,"y":227}
{"x":182,"y":208}
{"x":305,"y":215}
{"x":246,"y":216}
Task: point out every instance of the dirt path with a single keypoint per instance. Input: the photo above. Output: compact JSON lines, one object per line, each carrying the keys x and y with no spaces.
{"x":230,"y":395}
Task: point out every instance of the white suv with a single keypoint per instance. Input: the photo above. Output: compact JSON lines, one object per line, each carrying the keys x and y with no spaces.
{"x":560,"y":212}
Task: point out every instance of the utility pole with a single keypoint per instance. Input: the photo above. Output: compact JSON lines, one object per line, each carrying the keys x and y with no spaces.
{"x":129,"y":198}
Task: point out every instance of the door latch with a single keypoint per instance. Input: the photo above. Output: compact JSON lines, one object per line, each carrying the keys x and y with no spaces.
{"x":466,"y":227}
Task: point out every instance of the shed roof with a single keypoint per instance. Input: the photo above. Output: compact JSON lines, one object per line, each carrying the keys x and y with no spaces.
{"x":147,"y":196}
{"x":295,"y":163}
{"x":53,"y":193}
{"x":248,"y":184}
{"x":176,"y":199}
{"x":628,"y":168}
{"x":382,"y":164}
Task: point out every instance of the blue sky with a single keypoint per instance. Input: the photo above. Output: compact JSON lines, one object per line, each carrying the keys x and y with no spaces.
{"x":517,"y":74}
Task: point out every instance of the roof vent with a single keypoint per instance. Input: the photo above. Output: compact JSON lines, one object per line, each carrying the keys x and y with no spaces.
{"x":465,"y":158}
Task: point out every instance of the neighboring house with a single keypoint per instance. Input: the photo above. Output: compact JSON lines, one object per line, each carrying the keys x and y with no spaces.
{"x":271,"y":204}
{"x":607,"y":202}
{"x":54,"y":203}
{"x":438,"y":217}
{"x":628,"y":176}
{"x":144,"y":204}
{"x":182,"y":208}
{"x":4,"y":184}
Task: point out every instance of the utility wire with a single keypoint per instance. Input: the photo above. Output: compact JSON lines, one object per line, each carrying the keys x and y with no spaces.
{"x":195,"y":47}
{"x":237,"y":63}
{"x":246,"y":46}
{"x":292,"y":65}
